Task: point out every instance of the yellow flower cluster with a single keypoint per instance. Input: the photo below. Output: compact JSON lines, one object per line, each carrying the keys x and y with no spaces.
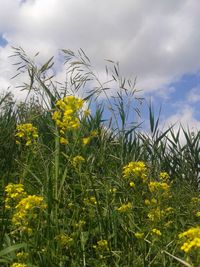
{"x":125,"y":207}
{"x":113,"y":190}
{"x":191,"y":239}
{"x":195,"y":200}
{"x":152,"y":201}
{"x":90,"y":201}
{"x":102,"y":245}
{"x":158,"y":186}
{"x":14,"y":193}
{"x":135,"y":169}
{"x":156,"y":232}
{"x":22,"y":256}
{"x":139,"y":235}
{"x":87,"y":140}
{"x":77,"y":161}
{"x":79,"y":224}
{"x":17,"y":264}
{"x":26,"y":133}
{"x":164,"y":176}
{"x":155,"y":214}
{"x":64,"y":240}
{"x":25,"y":206}
{"x":26,"y":211}
{"x":67,"y":114}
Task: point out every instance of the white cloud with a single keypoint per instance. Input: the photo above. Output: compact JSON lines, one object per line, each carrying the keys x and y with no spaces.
{"x":194,"y":95}
{"x":157,"y":41}
{"x":185,"y":116}
{"x":148,"y":38}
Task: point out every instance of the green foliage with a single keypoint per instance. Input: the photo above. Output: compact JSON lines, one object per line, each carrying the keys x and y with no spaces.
{"x":98,"y":209}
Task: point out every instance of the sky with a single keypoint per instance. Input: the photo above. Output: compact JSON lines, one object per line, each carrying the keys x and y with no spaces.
{"x":156,"y":41}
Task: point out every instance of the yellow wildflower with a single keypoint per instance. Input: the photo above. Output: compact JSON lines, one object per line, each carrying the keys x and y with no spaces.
{"x":79,"y":224}
{"x":147,"y":202}
{"x":198,"y":214}
{"x":139,"y":235}
{"x":155,"y":214}
{"x":135,"y":169}
{"x":17,"y":264}
{"x":26,"y":133}
{"x":22,"y":256}
{"x":125,"y":207}
{"x":63,"y":141}
{"x":77,"y":161}
{"x":67,"y":115}
{"x":26,"y":212}
{"x":195,"y":199}
{"x":64,"y":240}
{"x":90,"y":201}
{"x":191,"y":239}
{"x":113,"y":190}
{"x":86,"y":112}
{"x":158,"y":186}
{"x":156,"y":232}
{"x":86,"y":140}
{"x":102,"y":245}
{"x":14,"y":193}
{"x":132,"y":184}
{"x":164,"y":176}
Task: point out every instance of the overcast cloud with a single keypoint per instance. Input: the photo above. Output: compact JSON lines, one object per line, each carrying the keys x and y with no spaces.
{"x":157,"y":41}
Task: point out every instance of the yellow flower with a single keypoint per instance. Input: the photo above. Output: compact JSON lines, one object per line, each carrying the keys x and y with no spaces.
{"x":156,"y":232}
{"x":168,"y":224}
{"x":152,"y":201}
{"x":86,"y":112}
{"x":22,"y":256}
{"x":17,"y":264}
{"x":80,"y":224}
{"x":77,"y":161}
{"x":139,"y":235}
{"x":147,"y":202}
{"x":113,"y":190}
{"x":86,"y":140}
{"x":102,"y":245}
{"x":67,"y":115}
{"x":26,"y":211}
{"x":198,"y":214}
{"x":135,"y":169}
{"x":94,"y":133}
{"x":158,"y":186}
{"x":125,"y":207}
{"x":191,"y":239}
{"x":164,"y":176}
{"x":90,"y":201}
{"x":26,"y":133}
{"x":14,"y":193}
{"x":132,"y":184}
{"x":64,"y":240}
{"x":195,"y":199}
{"x":63,"y":141}
{"x":93,"y":200}
{"x":155,"y":214}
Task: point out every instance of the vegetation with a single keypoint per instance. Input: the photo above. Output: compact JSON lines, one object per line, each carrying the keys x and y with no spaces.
{"x":83,"y":185}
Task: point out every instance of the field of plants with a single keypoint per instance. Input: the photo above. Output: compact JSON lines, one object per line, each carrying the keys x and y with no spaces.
{"x":82,"y":183}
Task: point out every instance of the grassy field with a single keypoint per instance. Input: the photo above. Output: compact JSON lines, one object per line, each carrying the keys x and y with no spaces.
{"x":79,"y":189}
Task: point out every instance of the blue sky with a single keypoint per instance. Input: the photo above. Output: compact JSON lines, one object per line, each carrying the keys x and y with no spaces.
{"x":156,"y":41}
{"x":3,"y":42}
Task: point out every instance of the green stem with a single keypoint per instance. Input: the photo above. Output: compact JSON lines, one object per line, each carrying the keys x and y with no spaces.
{"x":57,"y":159}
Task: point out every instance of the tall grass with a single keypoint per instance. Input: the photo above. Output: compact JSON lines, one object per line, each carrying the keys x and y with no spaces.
{"x":92,"y":213}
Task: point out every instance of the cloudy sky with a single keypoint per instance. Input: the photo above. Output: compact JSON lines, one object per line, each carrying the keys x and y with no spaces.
{"x":156,"y":41}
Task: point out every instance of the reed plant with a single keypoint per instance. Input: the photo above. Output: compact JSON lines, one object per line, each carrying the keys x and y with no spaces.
{"x":82,"y":183}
